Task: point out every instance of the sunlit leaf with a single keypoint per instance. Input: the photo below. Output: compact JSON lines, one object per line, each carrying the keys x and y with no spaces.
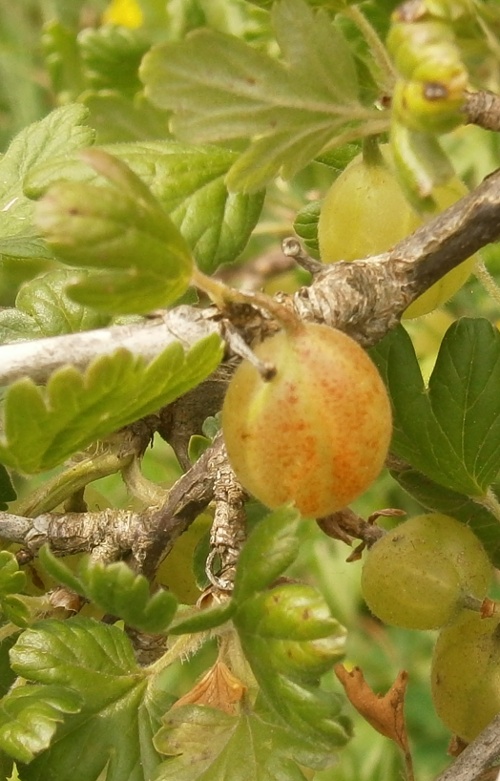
{"x":451,"y":430}
{"x":61,"y":132}
{"x":270,"y":549}
{"x":77,"y":408}
{"x":120,"y":230}
{"x":189,"y":182}
{"x":221,"y":88}
{"x":29,"y":716}
{"x":117,"y":590}
{"x":94,"y":666}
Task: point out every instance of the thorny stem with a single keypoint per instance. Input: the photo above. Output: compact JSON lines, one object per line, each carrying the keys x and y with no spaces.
{"x":487,"y":281}
{"x":229,"y":525}
{"x":184,"y":647}
{"x":490,"y":501}
{"x":292,"y":248}
{"x":483,"y":109}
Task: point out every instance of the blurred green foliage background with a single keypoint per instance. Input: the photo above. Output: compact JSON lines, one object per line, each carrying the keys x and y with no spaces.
{"x":28,"y":93}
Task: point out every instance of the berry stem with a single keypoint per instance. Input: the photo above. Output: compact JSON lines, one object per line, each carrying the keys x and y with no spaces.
{"x":224,"y":296}
{"x":372,"y":156}
{"x":472,"y":603}
{"x":487,"y":281}
{"x":490,"y":501}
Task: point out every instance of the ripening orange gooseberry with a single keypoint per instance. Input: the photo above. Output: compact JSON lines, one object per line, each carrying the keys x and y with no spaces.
{"x":317,"y":433}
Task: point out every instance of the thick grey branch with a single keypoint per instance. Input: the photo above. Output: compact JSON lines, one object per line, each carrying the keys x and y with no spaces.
{"x":477,"y":757}
{"x":186,"y":499}
{"x":365,"y":298}
{"x":38,"y":359}
{"x":112,"y":530}
{"x":483,"y":109}
{"x":142,"y":538}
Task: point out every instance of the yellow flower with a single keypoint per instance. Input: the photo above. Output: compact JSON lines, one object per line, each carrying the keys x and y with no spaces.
{"x":127,"y":13}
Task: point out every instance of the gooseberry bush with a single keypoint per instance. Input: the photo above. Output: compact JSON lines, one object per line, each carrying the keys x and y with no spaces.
{"x":250,"y":410}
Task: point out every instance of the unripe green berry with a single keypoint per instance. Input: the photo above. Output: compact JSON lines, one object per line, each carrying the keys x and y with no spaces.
{"x":366,"y":212}
{"x":465,"y":674}
{"x":423,"y":572}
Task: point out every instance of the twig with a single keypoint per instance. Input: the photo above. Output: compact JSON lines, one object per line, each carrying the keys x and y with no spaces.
{"x":142,"y":538}
{"x":228,"y":531}
{"x":477,"y":757}
{"x":366,"y":298}
{"x":483,"y":109}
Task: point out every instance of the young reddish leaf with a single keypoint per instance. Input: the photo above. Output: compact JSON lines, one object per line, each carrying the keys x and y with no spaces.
{"x":385,"y":713}
{"x":218,"y":688}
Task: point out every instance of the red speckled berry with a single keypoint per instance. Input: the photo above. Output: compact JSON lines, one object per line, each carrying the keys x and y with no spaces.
{"x":318,"y":432}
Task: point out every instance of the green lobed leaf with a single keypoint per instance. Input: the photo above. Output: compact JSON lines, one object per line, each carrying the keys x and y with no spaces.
{"x":120,"y":228}
{"x":434,"y":497}
{"x":189,"y":182}
{"x":306,"y":226}
{"x":202,"y":620}
{"x":117,"y":590}
{"x":270,"y":548}
{"x":79,"y":653}
{"x":7,"y":676}
{"x":93,"y":663}
{"x":43,"y":309}
{"x":339,"y":158}
{"x":421,"y":165}
{"x":111,"y":56}
{"x":16,"y":326}
{"x":20,"y":610}
{"x":290,"y":639}
{"x":77,"y":408}
{"x":60,"y":133}
{"x":220,"y":88}
{"x":62,"y":59}
{"x":292,"y":624}
{"x":12,"y":579}
{"x":57,"y":569}
{"x":7,"y":491}
{"x":449,"y":431}
{"x":12,"y":584}
{"x":118,"y":117}
{"x":206,"y":744}
{"x":29,"y":716}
